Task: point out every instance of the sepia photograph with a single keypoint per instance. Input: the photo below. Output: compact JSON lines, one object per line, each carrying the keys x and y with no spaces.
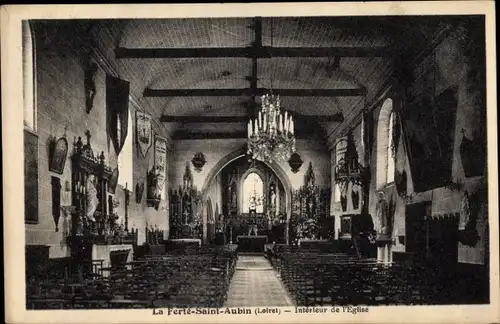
{"x":198,"y":165}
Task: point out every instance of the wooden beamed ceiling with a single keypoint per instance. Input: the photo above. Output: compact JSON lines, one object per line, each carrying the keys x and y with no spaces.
{"x":354,"y":92}
{"x":256,"y":52}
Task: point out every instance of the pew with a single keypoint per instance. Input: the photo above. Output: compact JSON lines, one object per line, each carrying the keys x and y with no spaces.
{"x":198,"y":278}
{"x":315,"y":278}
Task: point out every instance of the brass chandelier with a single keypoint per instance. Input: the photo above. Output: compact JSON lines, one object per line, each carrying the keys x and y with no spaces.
{"x":271,"y":135}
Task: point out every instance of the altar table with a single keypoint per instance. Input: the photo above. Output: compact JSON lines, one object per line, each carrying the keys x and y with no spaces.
{"x":103,"y":253}
{"x":253,"y":243}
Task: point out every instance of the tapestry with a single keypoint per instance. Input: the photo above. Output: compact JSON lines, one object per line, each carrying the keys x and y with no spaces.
{"x":143,"y":132}
{"x":429,"y":128}
{"x":160,"y":161}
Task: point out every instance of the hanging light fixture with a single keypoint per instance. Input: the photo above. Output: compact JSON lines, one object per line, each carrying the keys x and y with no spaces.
{"x":271,"y":136}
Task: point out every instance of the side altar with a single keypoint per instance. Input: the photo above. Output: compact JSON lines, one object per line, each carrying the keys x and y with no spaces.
{"x":185,"y":216}
{"x":98,"y":237}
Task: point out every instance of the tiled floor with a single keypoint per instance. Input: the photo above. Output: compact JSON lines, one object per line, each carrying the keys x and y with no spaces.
{"x":255,"y":283}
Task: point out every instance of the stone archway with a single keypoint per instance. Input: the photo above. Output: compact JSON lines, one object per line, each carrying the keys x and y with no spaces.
{"x":277,"y":169}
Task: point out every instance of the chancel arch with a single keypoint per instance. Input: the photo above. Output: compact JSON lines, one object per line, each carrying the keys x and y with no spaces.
{"x":277,"y":169}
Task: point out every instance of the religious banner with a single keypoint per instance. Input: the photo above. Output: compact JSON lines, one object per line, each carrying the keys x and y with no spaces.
{"x":117,"y":100}
{"x":160,"y":161}
{"x":143,"y":132}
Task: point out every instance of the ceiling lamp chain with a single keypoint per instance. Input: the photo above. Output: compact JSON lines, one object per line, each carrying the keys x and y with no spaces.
{"x":271,"y":136}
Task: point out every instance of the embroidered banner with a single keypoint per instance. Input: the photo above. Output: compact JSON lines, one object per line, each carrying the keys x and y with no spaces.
{"x":117,"y":99}
{"x":143,"y":132}
{"x":160,"y":160}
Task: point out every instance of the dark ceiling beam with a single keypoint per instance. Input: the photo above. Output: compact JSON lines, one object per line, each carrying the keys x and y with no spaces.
{"x":253,"y":51}
{"x":257,"y":43}
{"x":253,"y":92}
{"x":243,"y":119}
{"x":198,"y":135}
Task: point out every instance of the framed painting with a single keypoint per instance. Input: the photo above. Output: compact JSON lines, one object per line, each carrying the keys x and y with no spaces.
{"x":30,"y":177}
{"x":58,"y":154}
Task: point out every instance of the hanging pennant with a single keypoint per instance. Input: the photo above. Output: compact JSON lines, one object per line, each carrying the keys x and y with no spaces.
{"x":117,"y":99}
{"x":160,"y":160}
{"x":143,"y":132}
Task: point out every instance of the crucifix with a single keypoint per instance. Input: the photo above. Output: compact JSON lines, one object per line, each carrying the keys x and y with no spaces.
{"x":185,"y":214}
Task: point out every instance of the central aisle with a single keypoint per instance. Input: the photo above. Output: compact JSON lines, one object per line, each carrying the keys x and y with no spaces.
{"x":255,"y":283}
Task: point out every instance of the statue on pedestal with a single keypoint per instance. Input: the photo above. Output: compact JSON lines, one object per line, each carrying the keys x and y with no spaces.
{"x":91,"y":196}
{"x":382,"y":215}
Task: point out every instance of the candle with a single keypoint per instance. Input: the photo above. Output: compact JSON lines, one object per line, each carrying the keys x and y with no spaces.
{"x":249,"y":129}
{"x":291,"y":127}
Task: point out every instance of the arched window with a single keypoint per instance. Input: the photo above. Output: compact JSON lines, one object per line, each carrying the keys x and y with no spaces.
{"x":253,"y":193}
{"x":390,"y":153}
{"x":385,"y":156}
{"x":125,"y":158}
{"x":340,"y":149}
{"x":28,"y":77}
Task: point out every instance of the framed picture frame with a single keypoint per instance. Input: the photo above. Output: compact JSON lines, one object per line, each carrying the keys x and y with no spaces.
{"x":58,"y":154}
{"x":31,"y":181}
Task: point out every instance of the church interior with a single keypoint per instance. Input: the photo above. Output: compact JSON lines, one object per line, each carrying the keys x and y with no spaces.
{"x":255,"y":161}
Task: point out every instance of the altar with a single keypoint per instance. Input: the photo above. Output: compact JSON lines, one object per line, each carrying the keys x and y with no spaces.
{"x":112,"y":255}
{"x":252,"y":243}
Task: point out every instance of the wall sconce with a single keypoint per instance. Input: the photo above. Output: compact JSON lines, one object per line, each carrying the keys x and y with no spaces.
{"x":198,"y":161}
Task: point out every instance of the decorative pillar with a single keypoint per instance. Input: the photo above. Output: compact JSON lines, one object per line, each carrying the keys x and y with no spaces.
{"x":287,"y":226}
{"x":366,"y":177}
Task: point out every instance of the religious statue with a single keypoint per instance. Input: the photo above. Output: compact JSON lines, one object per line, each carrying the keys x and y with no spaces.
{"x":233,"y":199}
{"x":92,"y":200}
{"x":382,"y":214}
{"x":273,"y":198}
